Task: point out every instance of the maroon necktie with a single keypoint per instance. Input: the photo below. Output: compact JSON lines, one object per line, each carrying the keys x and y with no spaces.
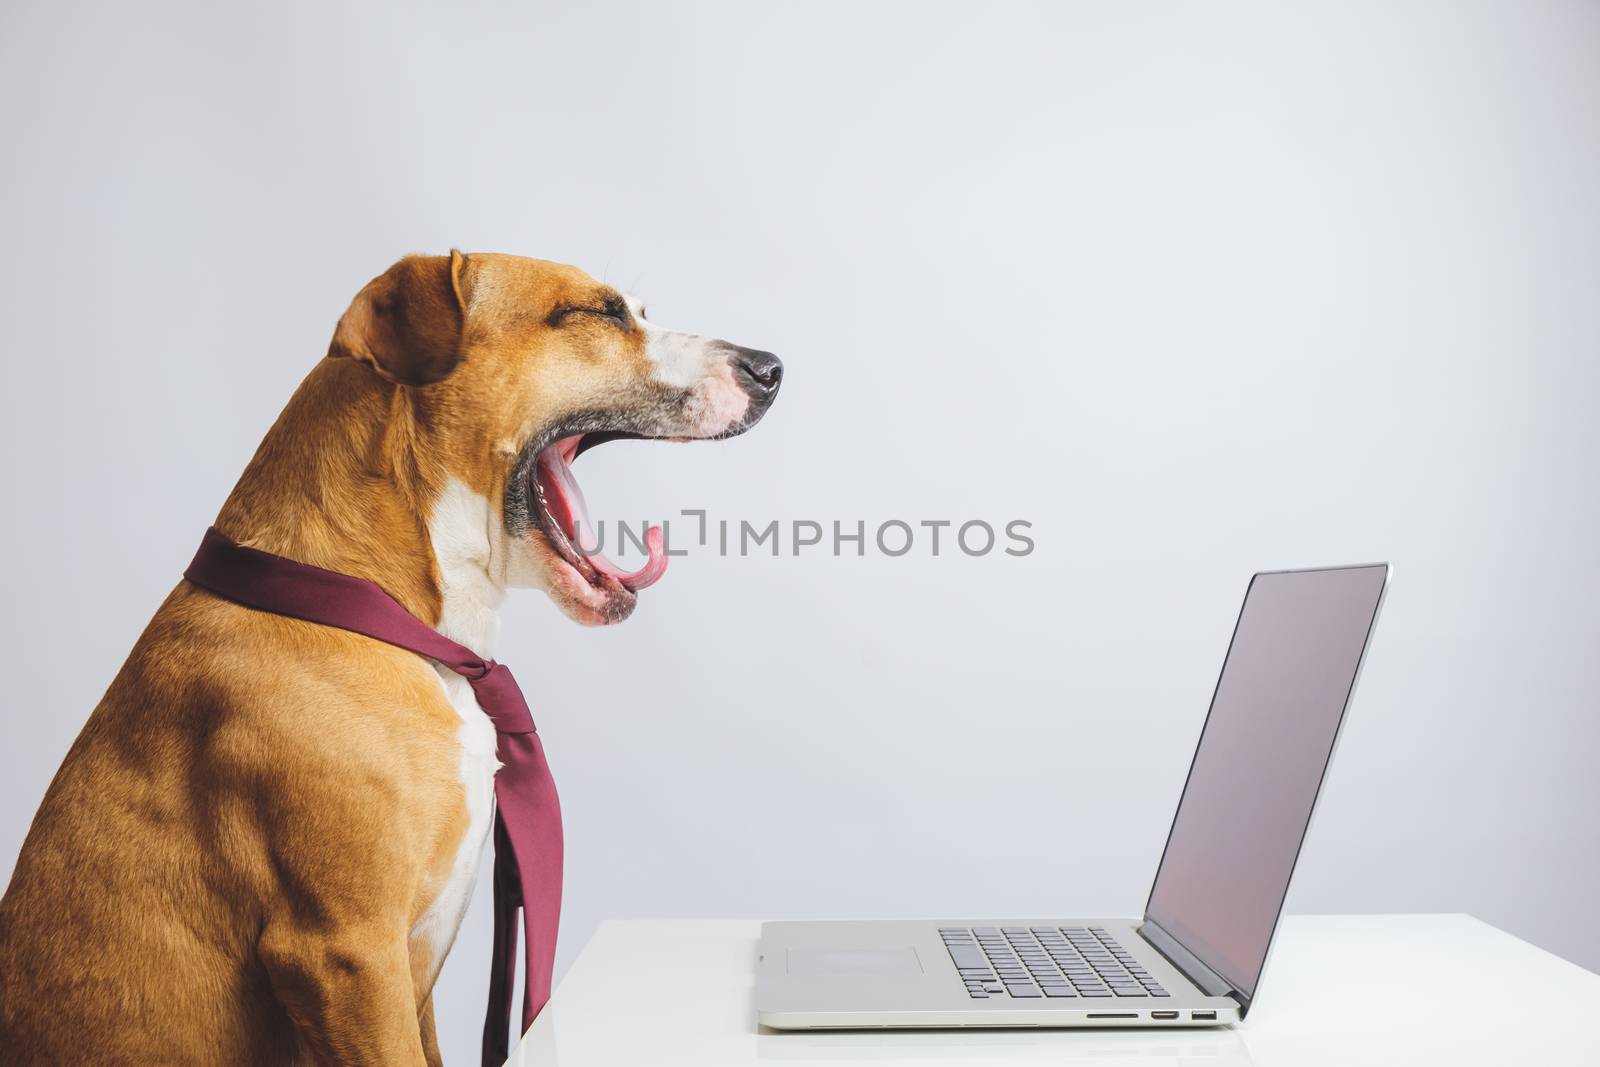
{"x":527,"y":824}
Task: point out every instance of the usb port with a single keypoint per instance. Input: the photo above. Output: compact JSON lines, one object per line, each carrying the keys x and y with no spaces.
{"x":1163,"y":1015}
{"x":1202,"y":1015}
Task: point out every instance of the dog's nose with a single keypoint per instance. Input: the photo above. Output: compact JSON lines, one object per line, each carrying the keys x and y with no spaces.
{"x":758,"y":372}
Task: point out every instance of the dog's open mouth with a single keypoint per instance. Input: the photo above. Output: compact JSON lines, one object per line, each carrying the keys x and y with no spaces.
{"x":563,"y":517}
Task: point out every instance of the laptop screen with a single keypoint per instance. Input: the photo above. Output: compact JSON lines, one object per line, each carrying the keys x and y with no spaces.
{"x":1261,"y":758}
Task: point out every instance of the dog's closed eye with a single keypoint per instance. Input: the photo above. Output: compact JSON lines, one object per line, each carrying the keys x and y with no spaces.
{"x":614,"y":309}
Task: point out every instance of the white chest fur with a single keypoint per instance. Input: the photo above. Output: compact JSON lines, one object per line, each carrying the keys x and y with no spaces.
{"x":471,"y":568}
{"x":436,"y":930}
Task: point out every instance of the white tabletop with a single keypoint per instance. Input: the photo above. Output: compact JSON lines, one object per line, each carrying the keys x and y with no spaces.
{"x":1356,"y":989}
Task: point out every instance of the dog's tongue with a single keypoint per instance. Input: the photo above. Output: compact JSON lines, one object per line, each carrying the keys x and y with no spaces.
{"x":567,"y":507}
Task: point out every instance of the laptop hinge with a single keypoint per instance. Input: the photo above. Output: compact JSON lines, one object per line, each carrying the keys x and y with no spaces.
{"x":1210,"y":982}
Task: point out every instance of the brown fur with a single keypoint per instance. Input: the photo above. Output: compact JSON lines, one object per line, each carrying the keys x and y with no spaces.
{"x":228,"y":863}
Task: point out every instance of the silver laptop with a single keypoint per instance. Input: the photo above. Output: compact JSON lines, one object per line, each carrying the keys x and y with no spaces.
{"x":1195,"y":958}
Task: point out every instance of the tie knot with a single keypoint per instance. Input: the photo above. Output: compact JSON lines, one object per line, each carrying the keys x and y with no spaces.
{"x":472,"y":670}
{"x":501,"y":699}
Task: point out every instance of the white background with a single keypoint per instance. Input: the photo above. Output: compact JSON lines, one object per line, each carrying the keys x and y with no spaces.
{"x":1196,"y":289}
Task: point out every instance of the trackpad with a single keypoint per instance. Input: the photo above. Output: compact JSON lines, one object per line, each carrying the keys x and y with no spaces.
{"x":862,"y":962}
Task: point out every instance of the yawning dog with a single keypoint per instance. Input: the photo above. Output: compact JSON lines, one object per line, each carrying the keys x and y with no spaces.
{"x":259,"y":849}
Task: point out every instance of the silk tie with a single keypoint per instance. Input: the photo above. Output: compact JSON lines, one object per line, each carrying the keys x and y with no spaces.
{"x":527,"y":824}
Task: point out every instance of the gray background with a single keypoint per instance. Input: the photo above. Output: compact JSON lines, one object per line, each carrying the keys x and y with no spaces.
{"x":1195,"y":289}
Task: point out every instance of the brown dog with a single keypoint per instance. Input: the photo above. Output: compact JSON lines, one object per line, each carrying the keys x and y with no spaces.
{"x":260,"y":847}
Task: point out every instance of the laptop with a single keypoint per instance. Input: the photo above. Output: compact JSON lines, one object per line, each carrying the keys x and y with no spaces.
{"x":1196,"y":956}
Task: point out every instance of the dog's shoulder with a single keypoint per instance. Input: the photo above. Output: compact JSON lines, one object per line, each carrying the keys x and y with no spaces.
{"x":251,"y":686}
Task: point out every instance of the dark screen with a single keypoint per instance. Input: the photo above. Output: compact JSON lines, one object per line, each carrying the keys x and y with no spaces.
{"x":1260,"y":762}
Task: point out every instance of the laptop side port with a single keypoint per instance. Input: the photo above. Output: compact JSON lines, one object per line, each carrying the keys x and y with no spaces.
{"x":1163,"y":1015}
{"x":1203,"y":1016}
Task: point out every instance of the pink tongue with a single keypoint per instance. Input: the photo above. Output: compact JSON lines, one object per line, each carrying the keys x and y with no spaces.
{"x":646,"y":576}
{"x":569,"y":509}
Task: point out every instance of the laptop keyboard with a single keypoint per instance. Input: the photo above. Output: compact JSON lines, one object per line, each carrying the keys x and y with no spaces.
{"x":1046,"y":961}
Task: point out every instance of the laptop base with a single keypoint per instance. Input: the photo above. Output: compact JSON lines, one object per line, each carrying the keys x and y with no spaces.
{"x":902,"y":974}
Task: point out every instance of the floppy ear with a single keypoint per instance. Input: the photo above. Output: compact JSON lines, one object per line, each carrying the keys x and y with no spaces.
{"x":407,"y":322}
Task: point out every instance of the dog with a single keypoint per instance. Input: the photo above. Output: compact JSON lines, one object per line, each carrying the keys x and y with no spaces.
{"x":261,"y":845}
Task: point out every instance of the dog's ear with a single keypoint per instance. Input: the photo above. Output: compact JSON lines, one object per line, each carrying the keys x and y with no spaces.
{"x":407,"y":322}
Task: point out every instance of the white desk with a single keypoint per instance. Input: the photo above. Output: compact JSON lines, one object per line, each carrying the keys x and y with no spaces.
{"x":1412,"y":989}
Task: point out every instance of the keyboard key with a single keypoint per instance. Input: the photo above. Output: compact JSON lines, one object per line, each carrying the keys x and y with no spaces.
{"x":1024,"y":990}
{"x":1058,"y":991}
{"x":967,"y":956}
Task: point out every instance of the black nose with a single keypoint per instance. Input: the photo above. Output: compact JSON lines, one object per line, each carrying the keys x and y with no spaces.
{"x":758,"y":372}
